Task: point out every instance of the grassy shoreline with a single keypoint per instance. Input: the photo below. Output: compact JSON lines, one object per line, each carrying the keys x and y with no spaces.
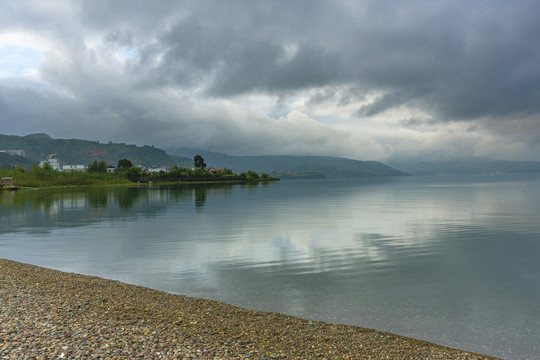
{"x":130,"y":183}
{"x":46,"y":314}
{"x":39,"y":177}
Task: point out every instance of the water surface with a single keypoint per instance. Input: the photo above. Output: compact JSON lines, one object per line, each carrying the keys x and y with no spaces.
{"x":453,"y":260}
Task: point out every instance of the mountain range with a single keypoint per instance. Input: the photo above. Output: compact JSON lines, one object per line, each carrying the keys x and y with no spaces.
{"x":470,"y":166}
{"x":84,"y":152}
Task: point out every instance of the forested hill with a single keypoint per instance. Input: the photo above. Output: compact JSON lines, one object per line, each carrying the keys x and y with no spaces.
{"x":295,"y":166}
{"x":75,"y":151}
{"x":11,"y":161}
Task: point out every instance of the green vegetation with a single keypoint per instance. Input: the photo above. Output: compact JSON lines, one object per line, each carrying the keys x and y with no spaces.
{"x":124,"y":164}
{"x":9,"y":161}
{"x":46,"y":176}
{"x":97,"y":167}
{"x":97,"y":174}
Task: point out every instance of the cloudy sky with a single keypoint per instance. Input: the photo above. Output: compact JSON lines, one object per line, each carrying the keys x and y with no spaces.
{"x":378,"y":80}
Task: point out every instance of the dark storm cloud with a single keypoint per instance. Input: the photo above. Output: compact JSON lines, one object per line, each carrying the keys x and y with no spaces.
{"x":195,"y":50}
{"x":461,"y":63}
{"x":381,"y":104}
{"x":458,"y":60}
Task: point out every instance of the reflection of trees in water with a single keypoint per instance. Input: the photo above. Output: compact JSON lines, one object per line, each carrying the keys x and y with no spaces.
{"x":106,"y":198}
{"x":39,"y":199}
{"x":97,"y":198}
{"x":126,"y":197}
{"x":199,"y":193}
{"x":180,"y":193}
{"x":6,"y":198}
{"x":200,"y":196}
{"x":212,"y":191}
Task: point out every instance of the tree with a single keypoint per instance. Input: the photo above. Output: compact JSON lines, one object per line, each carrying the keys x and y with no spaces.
{"x":198,"y":162}
{"x":47,"y":167}
{"x":133,"y":173}
{"x":92,"y":167}
{"x":97,"y":167}
{"x":102,"y":167}
{"x":124,"y":164}
{"x":249,"y":176}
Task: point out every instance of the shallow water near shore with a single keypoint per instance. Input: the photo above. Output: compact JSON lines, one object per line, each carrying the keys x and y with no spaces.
{"x":452,"y":260}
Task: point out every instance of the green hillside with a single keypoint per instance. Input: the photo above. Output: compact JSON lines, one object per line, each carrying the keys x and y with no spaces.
{"x":10,"y":161}
{"x":75,"y":151}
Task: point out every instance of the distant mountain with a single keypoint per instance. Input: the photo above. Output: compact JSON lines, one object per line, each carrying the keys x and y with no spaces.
{"x":75,"y":151}
{"x":182,"y":161}
{"x":292,"y":166}
{"x":468,"y":166}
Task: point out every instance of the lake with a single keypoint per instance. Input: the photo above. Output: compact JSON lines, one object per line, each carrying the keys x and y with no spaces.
{"x":452,"y":260}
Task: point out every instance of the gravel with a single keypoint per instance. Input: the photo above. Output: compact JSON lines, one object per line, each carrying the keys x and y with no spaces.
{"x":48,"y":314}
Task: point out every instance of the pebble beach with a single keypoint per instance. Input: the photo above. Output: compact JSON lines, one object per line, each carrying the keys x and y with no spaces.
{"x":49,"y":314}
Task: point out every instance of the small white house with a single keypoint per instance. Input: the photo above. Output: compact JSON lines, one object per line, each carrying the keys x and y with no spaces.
{"x":74,"y":168}
{"x":7,"y":182}
{"x":157,"y":169}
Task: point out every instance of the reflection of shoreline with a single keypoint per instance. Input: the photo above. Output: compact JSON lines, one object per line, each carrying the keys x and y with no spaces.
{"x":7,"y":197}
{"x":80,"y":207}
{"x":49,"y":209}
{"x":108,"y":312}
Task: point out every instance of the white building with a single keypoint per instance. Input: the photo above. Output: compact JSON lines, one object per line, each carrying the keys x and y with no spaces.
{"x":52,"y":159}
{"x":14,"y":152}
{"x":74,"y":168}
{"x":157,"y":169}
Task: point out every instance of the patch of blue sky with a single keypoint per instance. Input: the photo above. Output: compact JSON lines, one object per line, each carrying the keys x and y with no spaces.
{"x":18,"y":61}
{"x":128,"y":54}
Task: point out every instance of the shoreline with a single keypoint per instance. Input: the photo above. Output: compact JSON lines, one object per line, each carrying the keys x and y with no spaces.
{"x":140,"y":184}
{"x":46,"y":313}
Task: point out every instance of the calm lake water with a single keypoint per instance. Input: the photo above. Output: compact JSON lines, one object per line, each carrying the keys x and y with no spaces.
{"x":453,"y":260}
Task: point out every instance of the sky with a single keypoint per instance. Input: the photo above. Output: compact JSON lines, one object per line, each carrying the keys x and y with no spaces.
{"x":363,"y":79}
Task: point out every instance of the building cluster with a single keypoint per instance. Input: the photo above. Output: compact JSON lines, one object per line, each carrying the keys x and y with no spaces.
{"x":54,"y":162}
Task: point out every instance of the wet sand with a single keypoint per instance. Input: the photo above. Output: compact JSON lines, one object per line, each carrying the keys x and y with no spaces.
{"x":48,"y":314}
